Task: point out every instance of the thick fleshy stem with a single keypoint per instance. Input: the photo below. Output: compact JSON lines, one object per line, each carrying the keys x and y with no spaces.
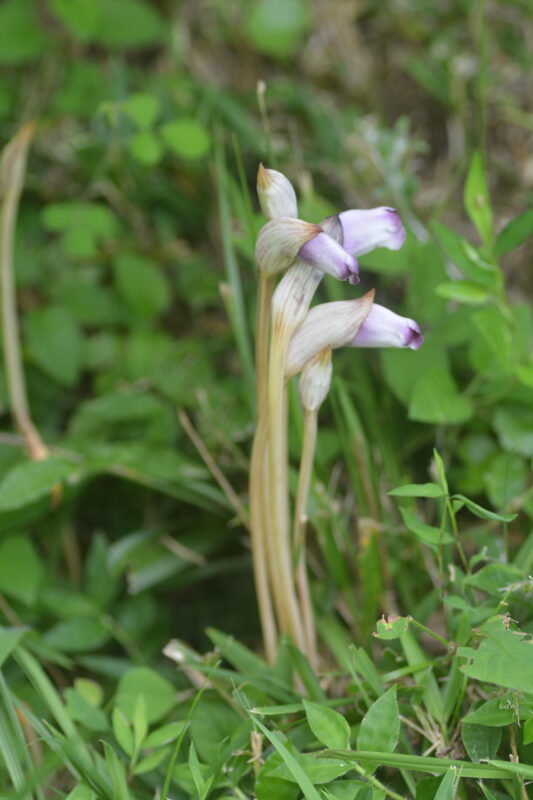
{"x":299,"y":530}
{"x":259,"y":531}
{"x":291,"y":302}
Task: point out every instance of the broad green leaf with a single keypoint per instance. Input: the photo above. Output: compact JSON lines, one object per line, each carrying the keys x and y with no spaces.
{"x":9,"y":639}
{"x":292,"y":763}
{"x":80,"y":710}
{"x":146,"y":148}
{"x":129,"y":24}
{"x":55,"y":344}
{"x":187,"y":138}
{"x":476,"y":198}
{"x":528,"y":732}
{"x":496,"y":334}
{"x":21,"y":569}
{"x":391,"y":628}
{"x":269,"y":786}
{"x":164,"y":735}
{"x":142,"y":108}
{"x":159,"y":694}
{"x":152,"y":761}
{"x":80,"y":17}
{"x":481,"y":741}
{"x":466,"y":257}
{"x":403,"y":368}
{"x":141,"y":284}
{"x":500,"y":711}
{"x":514,"y":426}
{"x":481,"y":512}
{"x":276,"y":27}
{"x":494,"y":578}
{"x":78,"y":635}
{"x":515,"y":233}
{"x":81,"y":792}
{"x":418,"y":490}
{"x":463,"y":292}
{"x":349,"y":790}
{"x":434,"y":537}
{"x":380,"y":727}
{"x":329,"y":727}
{"x":21,"y":37}
{"x":500,"y":648}
{"x":90,"y":690}
{"x":435,"y":399}
{"x":505,"y":478}
{"x":212,"y":722}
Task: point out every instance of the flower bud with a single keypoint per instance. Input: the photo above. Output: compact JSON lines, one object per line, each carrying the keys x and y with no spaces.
{"x":280,"y":241}
{"x":326,"y":325}
{"x":277,"y":197}
{"x":315,"y":380}
{"x":360,"y":231}
{"x":384,"y":328}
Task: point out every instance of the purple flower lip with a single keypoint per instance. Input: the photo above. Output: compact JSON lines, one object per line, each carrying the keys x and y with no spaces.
{"x":364,"y":230}
{"x":384,"y":328}
{"x":324,"y":253}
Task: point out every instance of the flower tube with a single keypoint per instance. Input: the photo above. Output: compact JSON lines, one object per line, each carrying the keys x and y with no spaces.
{"x":384,"y":328}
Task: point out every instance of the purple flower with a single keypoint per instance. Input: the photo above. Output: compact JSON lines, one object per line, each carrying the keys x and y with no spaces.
{"x":360,"y":231}
{"x":324,"y":253}
{"x":384,"y":328}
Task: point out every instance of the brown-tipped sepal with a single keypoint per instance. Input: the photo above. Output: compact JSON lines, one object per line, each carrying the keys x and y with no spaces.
{"x":326,"y":325}
{"x":280,"y":241}
{"x":277,"y":197}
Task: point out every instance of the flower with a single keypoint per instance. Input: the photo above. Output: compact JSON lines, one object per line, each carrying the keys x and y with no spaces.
{"x":326,"y":325}
{"x":360,"y":231}
{"x":283,"y":240}
{"x":277,"y":197}
{"x":384,"y":328}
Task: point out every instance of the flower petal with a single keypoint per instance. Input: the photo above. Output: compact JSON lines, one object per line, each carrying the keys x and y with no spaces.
{"x":279,"y":242}
{"x":384,"y":328}
{"x":277,"y":197}
{"x":324,"y":253}
{"x":364,"y":230}
{"x":326,"y":325}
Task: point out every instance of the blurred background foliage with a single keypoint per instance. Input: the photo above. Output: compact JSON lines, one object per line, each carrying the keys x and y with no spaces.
{"x":136,"y":285}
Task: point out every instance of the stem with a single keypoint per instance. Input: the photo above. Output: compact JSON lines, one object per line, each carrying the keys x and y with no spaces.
{"x":299,"y":530}
{"x":12,"y":171}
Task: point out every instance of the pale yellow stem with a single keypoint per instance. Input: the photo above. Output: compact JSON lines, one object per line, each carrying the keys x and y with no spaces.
{"x":300,"y":521}
{"x":258,"y":526}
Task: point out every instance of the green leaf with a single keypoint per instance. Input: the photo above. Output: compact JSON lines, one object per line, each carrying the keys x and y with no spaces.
{"x":463,"y":292}
{"x":146,"y":148}
{"x":164,"y":735}
{"x":276,"y":27}
{"x":117,"y":773}
{"x":129,"y":24}
{"x":435,"y":399}
{"x":187,"y":138}
{"x":505,"y":478}
{"x":122,"y":731}
{"x":418,"y":490}
{"x":434,"y":537}
{"x":143,"y":109}
{"x":494,"y":578}
{"x":21,"y":37}
{"x":500,"y":711}
{"x":159,"y":694}
{"x":380,"y":727}
{"x":77,"y":635}
{"x":55,"y":344}
{"x":528,"y":732}
{"x":212,"y":722}
{"x":152,"y":761}
{"x":241,"y":657}
{"x":269,"y":786}
{"x":141,"y":284}
{"x":318,"y":770}
{"x":80,"y":710}
{"x":476,"y":198}
{"x":21,"y":571}
{"x":9,"y":639}
{"x":329,"y":727}
{"x":80,"y":17}
{"x":501,"y":648}
{"x":514,"y":426}
{"x":295,"y":768}
{"x":448,"y":785}
{"x":515,"y":233}
{"x":466,"y":257}
{"x":495,"y":332}
{"x":481,"y":742}
{"x":391,"y":628}
{"x":481,"y":512}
